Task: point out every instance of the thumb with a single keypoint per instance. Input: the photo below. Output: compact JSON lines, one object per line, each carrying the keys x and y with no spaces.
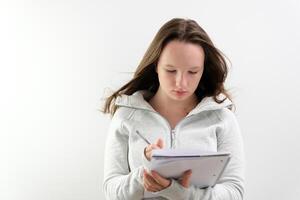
{"x":185,"y":181}
{"x":160,"y":143}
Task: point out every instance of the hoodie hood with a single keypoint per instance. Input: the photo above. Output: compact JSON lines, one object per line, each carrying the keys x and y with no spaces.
{"x":137,"y":101}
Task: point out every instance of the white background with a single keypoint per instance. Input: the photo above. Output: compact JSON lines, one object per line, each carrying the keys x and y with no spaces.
{"x":57,"y":57}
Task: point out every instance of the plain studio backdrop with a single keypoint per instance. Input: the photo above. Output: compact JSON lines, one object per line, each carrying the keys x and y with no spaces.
{"x":59,"y":57}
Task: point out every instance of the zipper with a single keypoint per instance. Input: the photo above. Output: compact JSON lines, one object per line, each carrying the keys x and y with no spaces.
{"x":173,"y":138}
{"x":171,"y":131}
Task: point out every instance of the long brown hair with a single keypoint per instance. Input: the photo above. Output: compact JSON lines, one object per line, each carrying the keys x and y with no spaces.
{"x":185,"y":30}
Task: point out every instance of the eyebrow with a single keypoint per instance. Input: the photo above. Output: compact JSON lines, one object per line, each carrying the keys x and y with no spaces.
{"x":194,"y":67}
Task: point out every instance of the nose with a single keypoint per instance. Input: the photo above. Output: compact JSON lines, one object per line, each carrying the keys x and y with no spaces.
{"x":181,"y":80}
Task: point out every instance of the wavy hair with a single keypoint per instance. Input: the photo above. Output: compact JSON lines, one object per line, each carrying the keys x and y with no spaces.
{"x":185,"y":30}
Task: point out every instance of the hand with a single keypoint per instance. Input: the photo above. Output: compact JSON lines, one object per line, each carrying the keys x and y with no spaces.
{"x":159,"y":144}
{"x":153,"y":182}
{"x":184,"y":180}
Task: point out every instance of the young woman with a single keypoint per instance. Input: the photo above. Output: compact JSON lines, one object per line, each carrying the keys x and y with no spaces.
{"x":176,"y":99}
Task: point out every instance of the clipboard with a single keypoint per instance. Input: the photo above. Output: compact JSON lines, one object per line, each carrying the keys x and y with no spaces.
{"x":207,"y":167}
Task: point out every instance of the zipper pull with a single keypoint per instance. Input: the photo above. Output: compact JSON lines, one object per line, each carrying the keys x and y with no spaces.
{"x":173,"y":137}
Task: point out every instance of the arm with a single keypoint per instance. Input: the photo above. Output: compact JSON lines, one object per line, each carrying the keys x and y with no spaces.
{"x":119,"y":181}
{"x":231,"y":184}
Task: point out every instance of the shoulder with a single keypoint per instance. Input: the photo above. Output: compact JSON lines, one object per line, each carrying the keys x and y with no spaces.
{"x":226,"y":116}
{"x":117,"y":122}
{"x":122,"y":114}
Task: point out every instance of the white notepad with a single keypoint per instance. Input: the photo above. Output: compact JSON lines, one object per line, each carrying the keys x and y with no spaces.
{"x":207,"y":167}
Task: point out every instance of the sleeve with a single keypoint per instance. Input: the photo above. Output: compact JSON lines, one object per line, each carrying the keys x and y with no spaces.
{"x":119,"y":181}
{"x":230,"y":186}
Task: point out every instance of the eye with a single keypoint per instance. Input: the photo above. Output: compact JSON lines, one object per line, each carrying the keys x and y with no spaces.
{"x":190,"y":72}
{"x":171,"y":71}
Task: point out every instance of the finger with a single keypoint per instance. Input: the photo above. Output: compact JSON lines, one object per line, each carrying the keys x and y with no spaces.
{"x":185,"y":181}
{"x":148,"y":150}
{"x":150,"y":147}
{"x":148,"y":187}
{"x":160,"y":143}
{"x":150,"y":180}
{"x":150,"y":183}
{"x":160,"y":180}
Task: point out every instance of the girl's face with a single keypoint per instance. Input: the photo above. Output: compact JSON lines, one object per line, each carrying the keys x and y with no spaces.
{"x":179,"y":69}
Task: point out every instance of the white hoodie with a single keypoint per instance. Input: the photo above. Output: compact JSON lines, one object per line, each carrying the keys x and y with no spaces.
{"x":209,"y":126}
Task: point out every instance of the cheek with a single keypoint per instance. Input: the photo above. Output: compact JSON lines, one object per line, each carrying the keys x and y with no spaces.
{"x":165,"y":79}
{"x":196,"y":81}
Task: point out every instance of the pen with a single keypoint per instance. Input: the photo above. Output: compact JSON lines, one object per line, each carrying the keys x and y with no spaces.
{"x":142,"y":137}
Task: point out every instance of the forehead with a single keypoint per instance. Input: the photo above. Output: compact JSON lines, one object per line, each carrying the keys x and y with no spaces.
{"x":182,"y":54}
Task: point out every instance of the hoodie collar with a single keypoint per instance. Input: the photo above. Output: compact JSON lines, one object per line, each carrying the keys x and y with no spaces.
{"x":137,"y":101}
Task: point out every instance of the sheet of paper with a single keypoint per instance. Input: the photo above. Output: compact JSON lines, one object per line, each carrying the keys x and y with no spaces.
{"x":184,"y":153}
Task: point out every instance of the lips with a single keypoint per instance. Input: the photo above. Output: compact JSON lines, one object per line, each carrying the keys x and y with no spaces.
{"x":180,"y":92}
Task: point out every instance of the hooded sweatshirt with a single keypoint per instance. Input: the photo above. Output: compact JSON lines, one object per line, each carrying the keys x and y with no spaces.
{"x":210,"y":126}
